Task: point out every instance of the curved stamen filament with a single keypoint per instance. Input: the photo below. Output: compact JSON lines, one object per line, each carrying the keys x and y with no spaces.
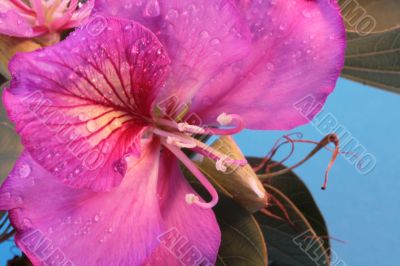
{"x":221,"y":158}
{"x":38,"y":7}
{"x":23,"y":7}
{"x":191,"y":198}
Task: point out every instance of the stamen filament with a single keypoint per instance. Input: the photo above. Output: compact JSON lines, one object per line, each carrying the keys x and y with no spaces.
{"x":216,"y":155}
{"x":191,"y":198}
{"x":38,"y":7}
{"x":181,"y":141}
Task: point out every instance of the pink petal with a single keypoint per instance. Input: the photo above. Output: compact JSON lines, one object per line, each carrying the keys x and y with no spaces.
{"x":297,"y":52}
{"x":83,"y":227}
{"x":202,"y":37}
{"x":145,"y":219}
{"x":81,"y":105}
{"x":14,"y":22}
{"x":191,"y":234}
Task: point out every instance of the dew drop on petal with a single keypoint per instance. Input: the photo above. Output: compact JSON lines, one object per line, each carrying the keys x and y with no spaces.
{"x":27,"y":222}
{"x":306,"y":13}
{"x":151,"y":9}
{"x":24,"y":171}
{"x":19,"y":200}
{"x":204,"y":34}
{"x":91,"y":126}
{"x":68,"y":220}
{"x":215,"y":41}
{"x":120,"y":166}
{"x":96,"y":218}
{"x":172,"y":14}
{"x":270,"y":67}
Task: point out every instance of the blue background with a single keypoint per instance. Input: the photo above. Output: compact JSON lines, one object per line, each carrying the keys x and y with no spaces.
{"x":362,"y":210}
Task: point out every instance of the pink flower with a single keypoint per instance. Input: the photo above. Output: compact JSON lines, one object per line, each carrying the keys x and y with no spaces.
{"x":99,"y":180}
{"x":32,"y":18}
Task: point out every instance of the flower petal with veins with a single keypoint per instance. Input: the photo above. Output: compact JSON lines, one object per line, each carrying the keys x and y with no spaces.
{"x":201,"y":37}
{"x":79,"y":104}
{"x":297,"y":51}
{"x":128,"y":225}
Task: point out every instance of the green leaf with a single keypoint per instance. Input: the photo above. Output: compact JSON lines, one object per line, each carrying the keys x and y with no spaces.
{"x":302,"y":211}
{"x":384,"y":13}
{"x":287,"y":244}
{"x":373,"y":42}
{"x":374,"y":59}
{"x":242,"y":239}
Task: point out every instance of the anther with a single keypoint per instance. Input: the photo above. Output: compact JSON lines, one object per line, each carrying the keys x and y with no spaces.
{"x":191,"y":198}
{"x":224,"y":119}
{"x":185,"y":127}
{"x":179,"y":143}
{"x":220,"y":165}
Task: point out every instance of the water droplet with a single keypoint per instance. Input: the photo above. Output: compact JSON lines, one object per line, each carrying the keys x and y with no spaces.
{"x":19,"y":200}
{"x":27,"y":222}
{"x":110,"y":230}
{"x":68,"y":220}
{"x":24,"y":171}
{"x":128,"y":5}
{"x":172,"y":14}
{"x":91,"y":126}
{"x":106,"y":148}
{"x":96,"y":218}
{"x":119,"y":166}
{"x":152,"y":9}
{"x":128,"y":27}
{"x":306,"y":13}
{"x":215,"y":41}
{"x":204,"y":34}
{"x":270,"y":67}
{"x":82,"y":117}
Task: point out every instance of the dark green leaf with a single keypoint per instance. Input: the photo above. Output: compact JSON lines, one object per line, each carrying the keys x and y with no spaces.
{"x":300,"y":206}
{"x":374,"y":59}
{"x":294,"y":244}
{"x":373,"y":42}
{"x":383,"y":13}
{"x":242,"y":240}
{"x":295,"y":189}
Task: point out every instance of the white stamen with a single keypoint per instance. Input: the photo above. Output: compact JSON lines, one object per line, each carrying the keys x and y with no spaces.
{"x":220,"y":164}
{"x":185,"y":127}
{"x":177,"y":142}
{"x":224,"y":119}
{"x":191,"y":198}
